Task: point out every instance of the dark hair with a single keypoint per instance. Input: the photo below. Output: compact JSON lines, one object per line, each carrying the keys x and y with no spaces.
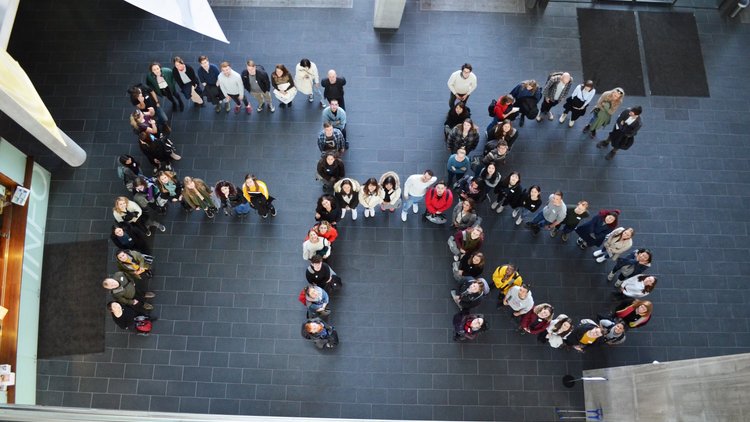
{"x":125,"y":157}
{"x":466,"y":66}
{"x":315,"y":259}
{"x":220,"y":184}
{"x":327,"y":124}
{"x":370,"y":182}
{"x":556,"y":327}
{"x":347,"y":182}
{"x":440,"y":182}
{"x":153,"y":64}
{"x":648,"y":289}
{"x":589,"y":83}
{"x":284,"y":70}
{"x":537,"y":187}
{"x":468,"y":119}
{"x":648,"y":251}
{"x":481,"y":258}
{"x":140,"y":181}
{"x":429,"y":172}
{"x":557,"y":192}
{"x":201,"y":58}
{"x":472,"y":204}
{"x":506,"y":180}
{"x":507,"y":99}
{"x":637,"y":110}
{"x":305,"y":63}
{"x":390,"y":180}
{"x":177,"y":59}
{"x":526,"y":286}
{"x":109,"y":305}
{"x":125,"y":251}
{"x":329,"y":198}
{"x":485,"y":326}
{"x":460,"y":104}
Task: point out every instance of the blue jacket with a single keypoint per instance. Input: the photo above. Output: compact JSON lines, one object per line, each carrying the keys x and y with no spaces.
{"x":209,"y":77}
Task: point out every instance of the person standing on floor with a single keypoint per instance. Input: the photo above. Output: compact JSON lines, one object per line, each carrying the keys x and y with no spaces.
{"x":461,"y":84}
{"x":623,"y":134}
{"x":551,"y":216}
{"x":465,"y":242}
{"x":573,"y":216}
{"x":321,"y":333}
{"x":537,"y":321}
{"x":556,"y":89}
{"x":370,"y":196}
{"x":519,"y":299}
{"x":391,"y":186}
{"x":634,"y":312}
{"x":502,"y":131}
{"x":605,"y":108}
{"x":465,"y":215}
{"x":504,"y":278}
{"x":632,"y":264}
{"x":230,"y":83}
{"x":256,"y":193}
{"x":187,"y":80}
{"x":320,"y":274}
{"x":509,"y":193}
{"x":137,"y":267}
{"x":129,"y":212}
{"x":283,"y":86}
{"x":336,"y":116}
{"x":467,"y":326}
{"x":255,"y":80}
{"x":208,"y":74}
{"x":470,"y":293}
{"x":129,"y":236}
{"x":464,"y":135}
{"x":307,"y":80}
{"x":331,"y":140}
{"x":326,"y":210}
{"x":414,"y":190}
{"x":471,"y":265}
{"x":577,"y":103}
{"x":619,"y":241}
{"x":502,"y":110}
{"x":124,"y":291}
{"x":594,"y":231}
{"x":586,"y":334}
{"x":316,"y":300}
{"x":637,"y":286}
{"x":315,"y":245}
{"x":527,"y":95}
{"x":125,"y":316}
{"x":330,"y":169}
{"x":346,"y":193}
{"x":557,"y":331}
{"x":230,"y":199}
{"x":438,"y":200}
{"x":458,"y":165}
{"x":162,"y":82}
{"x":456,"y":115}
{"x":333,"y":88}
{"x":198,"y":196}
{"x":530,"y":203}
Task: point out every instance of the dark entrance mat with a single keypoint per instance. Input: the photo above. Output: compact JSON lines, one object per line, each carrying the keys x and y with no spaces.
{"x":673,"y":54}
{"x":609,"y":50}
{"x":72,"y":311}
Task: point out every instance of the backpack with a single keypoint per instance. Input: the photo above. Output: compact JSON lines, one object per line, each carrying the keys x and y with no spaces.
{"x":143,"y":325}
{"x":491,"y":108}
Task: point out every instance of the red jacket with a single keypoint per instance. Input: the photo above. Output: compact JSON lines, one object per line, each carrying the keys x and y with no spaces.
{"x":500,"y":109}
{"x":532,"y":323}
{"x":438,"y":204}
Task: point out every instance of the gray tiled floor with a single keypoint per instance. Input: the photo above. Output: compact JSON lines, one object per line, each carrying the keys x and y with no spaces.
{"x":228,"y":338}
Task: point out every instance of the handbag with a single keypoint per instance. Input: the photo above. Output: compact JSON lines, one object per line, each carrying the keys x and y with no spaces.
{"x":195,"y":97}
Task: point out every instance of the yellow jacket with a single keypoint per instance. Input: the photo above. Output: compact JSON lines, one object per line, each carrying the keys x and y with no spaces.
{"x":261,"y":187}
{"x":505,"y":285}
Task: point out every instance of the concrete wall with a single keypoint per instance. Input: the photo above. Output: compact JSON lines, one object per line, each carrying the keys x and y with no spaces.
{"x":708,"y":389}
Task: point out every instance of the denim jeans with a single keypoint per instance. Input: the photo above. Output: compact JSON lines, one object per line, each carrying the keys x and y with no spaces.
{"x":242,"y":209}
{"x":524,"y":212}
{"x":411,"y":200}
{"x":540,"y":221}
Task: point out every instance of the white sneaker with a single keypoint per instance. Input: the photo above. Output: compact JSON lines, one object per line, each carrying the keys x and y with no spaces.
{"x":354,"y":215}
{"x":519,"y":220}
{"x":343,"y":213}
{"x":563,"y":117}
{"x":601,"y":259}
{"x":494,"y":205}
{"x":500,"y":209}
{"x":550,"y":116}
{"x":515,"y":213}
{"x":415,"y":208}
{"x":598,"y":252}
{"x":539,"y":117}
{"x":403,"y":215}
{"x":571,"y":123}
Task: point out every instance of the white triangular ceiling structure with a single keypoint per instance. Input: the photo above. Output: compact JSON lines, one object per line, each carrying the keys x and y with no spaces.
{"x":192,"y":14}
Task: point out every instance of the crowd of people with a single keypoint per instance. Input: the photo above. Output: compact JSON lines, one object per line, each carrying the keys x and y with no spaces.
{"x":148,"y":195}
{"x":452,"y":199}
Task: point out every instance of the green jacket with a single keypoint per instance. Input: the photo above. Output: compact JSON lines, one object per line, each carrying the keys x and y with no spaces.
{"x":125,"y":293}
{"x":167,"y":74}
